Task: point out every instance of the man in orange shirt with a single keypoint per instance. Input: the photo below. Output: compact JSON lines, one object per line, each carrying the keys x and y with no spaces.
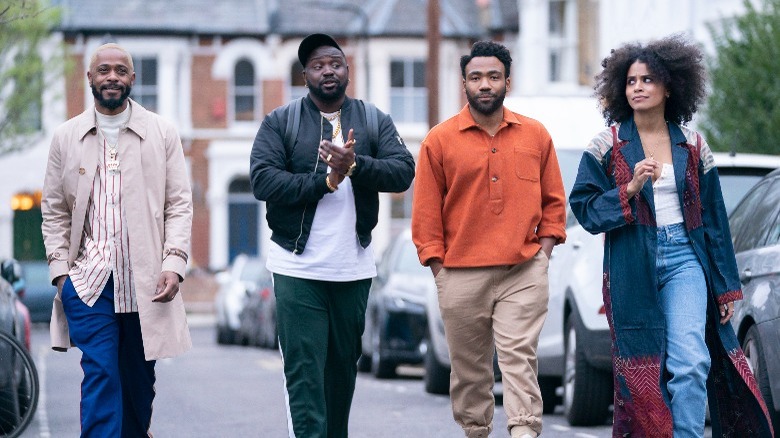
{"x":489,"y":206}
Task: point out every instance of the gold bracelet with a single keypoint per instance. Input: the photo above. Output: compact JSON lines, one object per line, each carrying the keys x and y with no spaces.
{"x":331,"y":187}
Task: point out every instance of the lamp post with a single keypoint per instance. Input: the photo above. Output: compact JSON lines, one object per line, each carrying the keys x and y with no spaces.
{"x":357,"y":10}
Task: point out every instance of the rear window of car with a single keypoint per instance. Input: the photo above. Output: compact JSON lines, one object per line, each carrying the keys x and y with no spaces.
{"x":736,"y":181}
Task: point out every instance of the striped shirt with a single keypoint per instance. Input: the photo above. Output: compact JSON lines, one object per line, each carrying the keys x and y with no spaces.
{"x":105,"y":247}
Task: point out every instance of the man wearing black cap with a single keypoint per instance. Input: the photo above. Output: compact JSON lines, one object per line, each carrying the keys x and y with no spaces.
{"x":320,"y":179}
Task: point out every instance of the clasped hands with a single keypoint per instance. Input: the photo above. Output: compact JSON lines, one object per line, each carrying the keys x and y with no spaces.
{"x":338,"y":158}
{"x":642,"y":171}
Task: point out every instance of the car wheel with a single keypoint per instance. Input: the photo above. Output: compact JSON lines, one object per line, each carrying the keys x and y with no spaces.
{"x":754,"y":353}
{"x":587,"y":391}
{"x":548,"y":385}
{"x":381,"y":367}
{"x":9,"y":405}
{"x":223,"y":335}
{"x":437,"y":375}
{"x":364,"y":363}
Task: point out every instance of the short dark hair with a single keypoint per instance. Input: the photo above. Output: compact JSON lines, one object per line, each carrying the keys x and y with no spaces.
{"x":676,"y":62}
{"x":487,"y":48}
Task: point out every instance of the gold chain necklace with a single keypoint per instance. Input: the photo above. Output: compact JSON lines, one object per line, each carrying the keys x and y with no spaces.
{"x":337,"y":118}
{"x":112,"y":165}
{"x":651,"y":147}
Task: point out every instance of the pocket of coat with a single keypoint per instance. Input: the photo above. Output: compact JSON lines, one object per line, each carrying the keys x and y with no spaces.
{"x":527,"y":163}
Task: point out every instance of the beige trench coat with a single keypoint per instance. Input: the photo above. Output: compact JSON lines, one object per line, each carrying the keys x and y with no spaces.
{"x":156,"y":187}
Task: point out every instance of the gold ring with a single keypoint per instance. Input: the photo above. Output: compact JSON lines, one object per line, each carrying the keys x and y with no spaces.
{"x":329,"y":157}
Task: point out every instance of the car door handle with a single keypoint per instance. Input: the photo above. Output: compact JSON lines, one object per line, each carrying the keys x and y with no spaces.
{"x":745,"y":276}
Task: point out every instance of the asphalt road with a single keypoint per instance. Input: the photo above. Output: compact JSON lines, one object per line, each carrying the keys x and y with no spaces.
{"x":232,"y":391}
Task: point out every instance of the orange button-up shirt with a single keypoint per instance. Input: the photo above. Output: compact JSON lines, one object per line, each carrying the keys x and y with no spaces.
{"x":482,"y":200}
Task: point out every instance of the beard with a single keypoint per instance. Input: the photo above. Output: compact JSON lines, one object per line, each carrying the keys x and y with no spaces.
{"x":111,"y":104}
{"x":486,"y":108}
{"x":328,"y":96}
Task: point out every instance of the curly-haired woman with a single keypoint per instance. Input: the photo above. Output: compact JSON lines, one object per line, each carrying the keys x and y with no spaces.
{"x":670,"y":278}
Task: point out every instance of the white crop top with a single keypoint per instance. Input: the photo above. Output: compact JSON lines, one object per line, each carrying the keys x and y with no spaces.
{"x":667,"y":202}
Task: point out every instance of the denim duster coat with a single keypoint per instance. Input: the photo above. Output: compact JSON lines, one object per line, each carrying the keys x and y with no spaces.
{"x":600,"y":202}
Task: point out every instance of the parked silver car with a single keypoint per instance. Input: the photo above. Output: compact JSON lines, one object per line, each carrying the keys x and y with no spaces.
{"x":258,"y":317}
{"x":235,"y":285}
{"x":755,"y":228}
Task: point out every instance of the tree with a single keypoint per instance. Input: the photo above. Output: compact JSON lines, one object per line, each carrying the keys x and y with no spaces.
{"x":25,"y":25}
{"x":743,"y":111}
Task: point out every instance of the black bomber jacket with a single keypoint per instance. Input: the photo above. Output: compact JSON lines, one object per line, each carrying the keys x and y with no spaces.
{"x":292,"y":182}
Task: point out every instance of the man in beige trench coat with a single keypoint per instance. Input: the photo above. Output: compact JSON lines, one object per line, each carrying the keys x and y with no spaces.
{"x":117,"y":219}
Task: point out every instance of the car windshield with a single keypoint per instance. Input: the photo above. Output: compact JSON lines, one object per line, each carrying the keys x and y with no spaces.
{"x":254,"y":270}
{"x":735,"y":182}
{"x":408,"y":263}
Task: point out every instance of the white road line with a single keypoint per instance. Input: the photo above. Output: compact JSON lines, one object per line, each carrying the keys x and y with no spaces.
{"x":561,"y":428}
{"x":42,"y":415}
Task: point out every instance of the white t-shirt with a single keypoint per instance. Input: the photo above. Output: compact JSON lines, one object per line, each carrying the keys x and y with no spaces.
{"x":333,"y":251}
{"x":667,"y":203}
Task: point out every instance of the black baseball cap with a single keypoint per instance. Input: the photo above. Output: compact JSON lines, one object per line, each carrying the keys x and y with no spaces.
{"x":312,"y":42}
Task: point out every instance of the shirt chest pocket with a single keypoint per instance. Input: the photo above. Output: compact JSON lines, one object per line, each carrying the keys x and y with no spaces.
{"x":527,"y":163}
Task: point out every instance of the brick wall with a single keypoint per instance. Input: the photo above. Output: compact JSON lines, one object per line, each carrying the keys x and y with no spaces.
{"x":76,"y":80}
{"x":273,"y":95}
{"x":200,"y":219}
{"x":209,"y":96}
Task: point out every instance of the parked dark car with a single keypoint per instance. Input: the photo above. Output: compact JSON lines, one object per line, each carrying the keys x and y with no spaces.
{"x":395,"y":315}
{"x":18,"y":377}
{"x":257,"y":320}
{"x":11,"y":271}
{"x":38,"y":292}
{"x":755,"y":231}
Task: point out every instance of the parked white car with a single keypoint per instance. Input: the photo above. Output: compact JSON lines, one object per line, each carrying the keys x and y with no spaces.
{"x":575,"y":343}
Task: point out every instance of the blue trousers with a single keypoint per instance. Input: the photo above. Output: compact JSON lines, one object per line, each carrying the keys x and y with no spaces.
{"x":118,"y":387}
{"x":683,"y":297}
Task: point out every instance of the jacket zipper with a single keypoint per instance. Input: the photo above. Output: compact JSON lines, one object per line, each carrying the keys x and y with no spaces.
{"x":303,"y":217}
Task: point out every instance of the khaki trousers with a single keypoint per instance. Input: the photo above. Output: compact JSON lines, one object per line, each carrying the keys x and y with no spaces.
{"x":505,"y":304}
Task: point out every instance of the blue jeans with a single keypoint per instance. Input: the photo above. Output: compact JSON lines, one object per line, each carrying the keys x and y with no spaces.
{"x":683,"y":297}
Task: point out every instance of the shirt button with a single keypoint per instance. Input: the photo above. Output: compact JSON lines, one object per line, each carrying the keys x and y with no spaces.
{"x":494,"y":179}
{"x":82,"y":171}
{"x":494,"y":150}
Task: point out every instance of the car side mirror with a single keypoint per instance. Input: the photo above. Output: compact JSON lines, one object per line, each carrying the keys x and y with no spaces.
{"x":11,"y":270}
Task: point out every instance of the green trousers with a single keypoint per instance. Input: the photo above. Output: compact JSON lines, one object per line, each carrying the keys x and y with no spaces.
{"x":320,"y":324}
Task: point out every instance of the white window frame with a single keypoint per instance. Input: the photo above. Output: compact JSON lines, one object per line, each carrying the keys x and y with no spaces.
{"x":235,"y":91}
{"x":408,"y":94}
{"x":142,"y":91}
{"x":563,"y":45}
